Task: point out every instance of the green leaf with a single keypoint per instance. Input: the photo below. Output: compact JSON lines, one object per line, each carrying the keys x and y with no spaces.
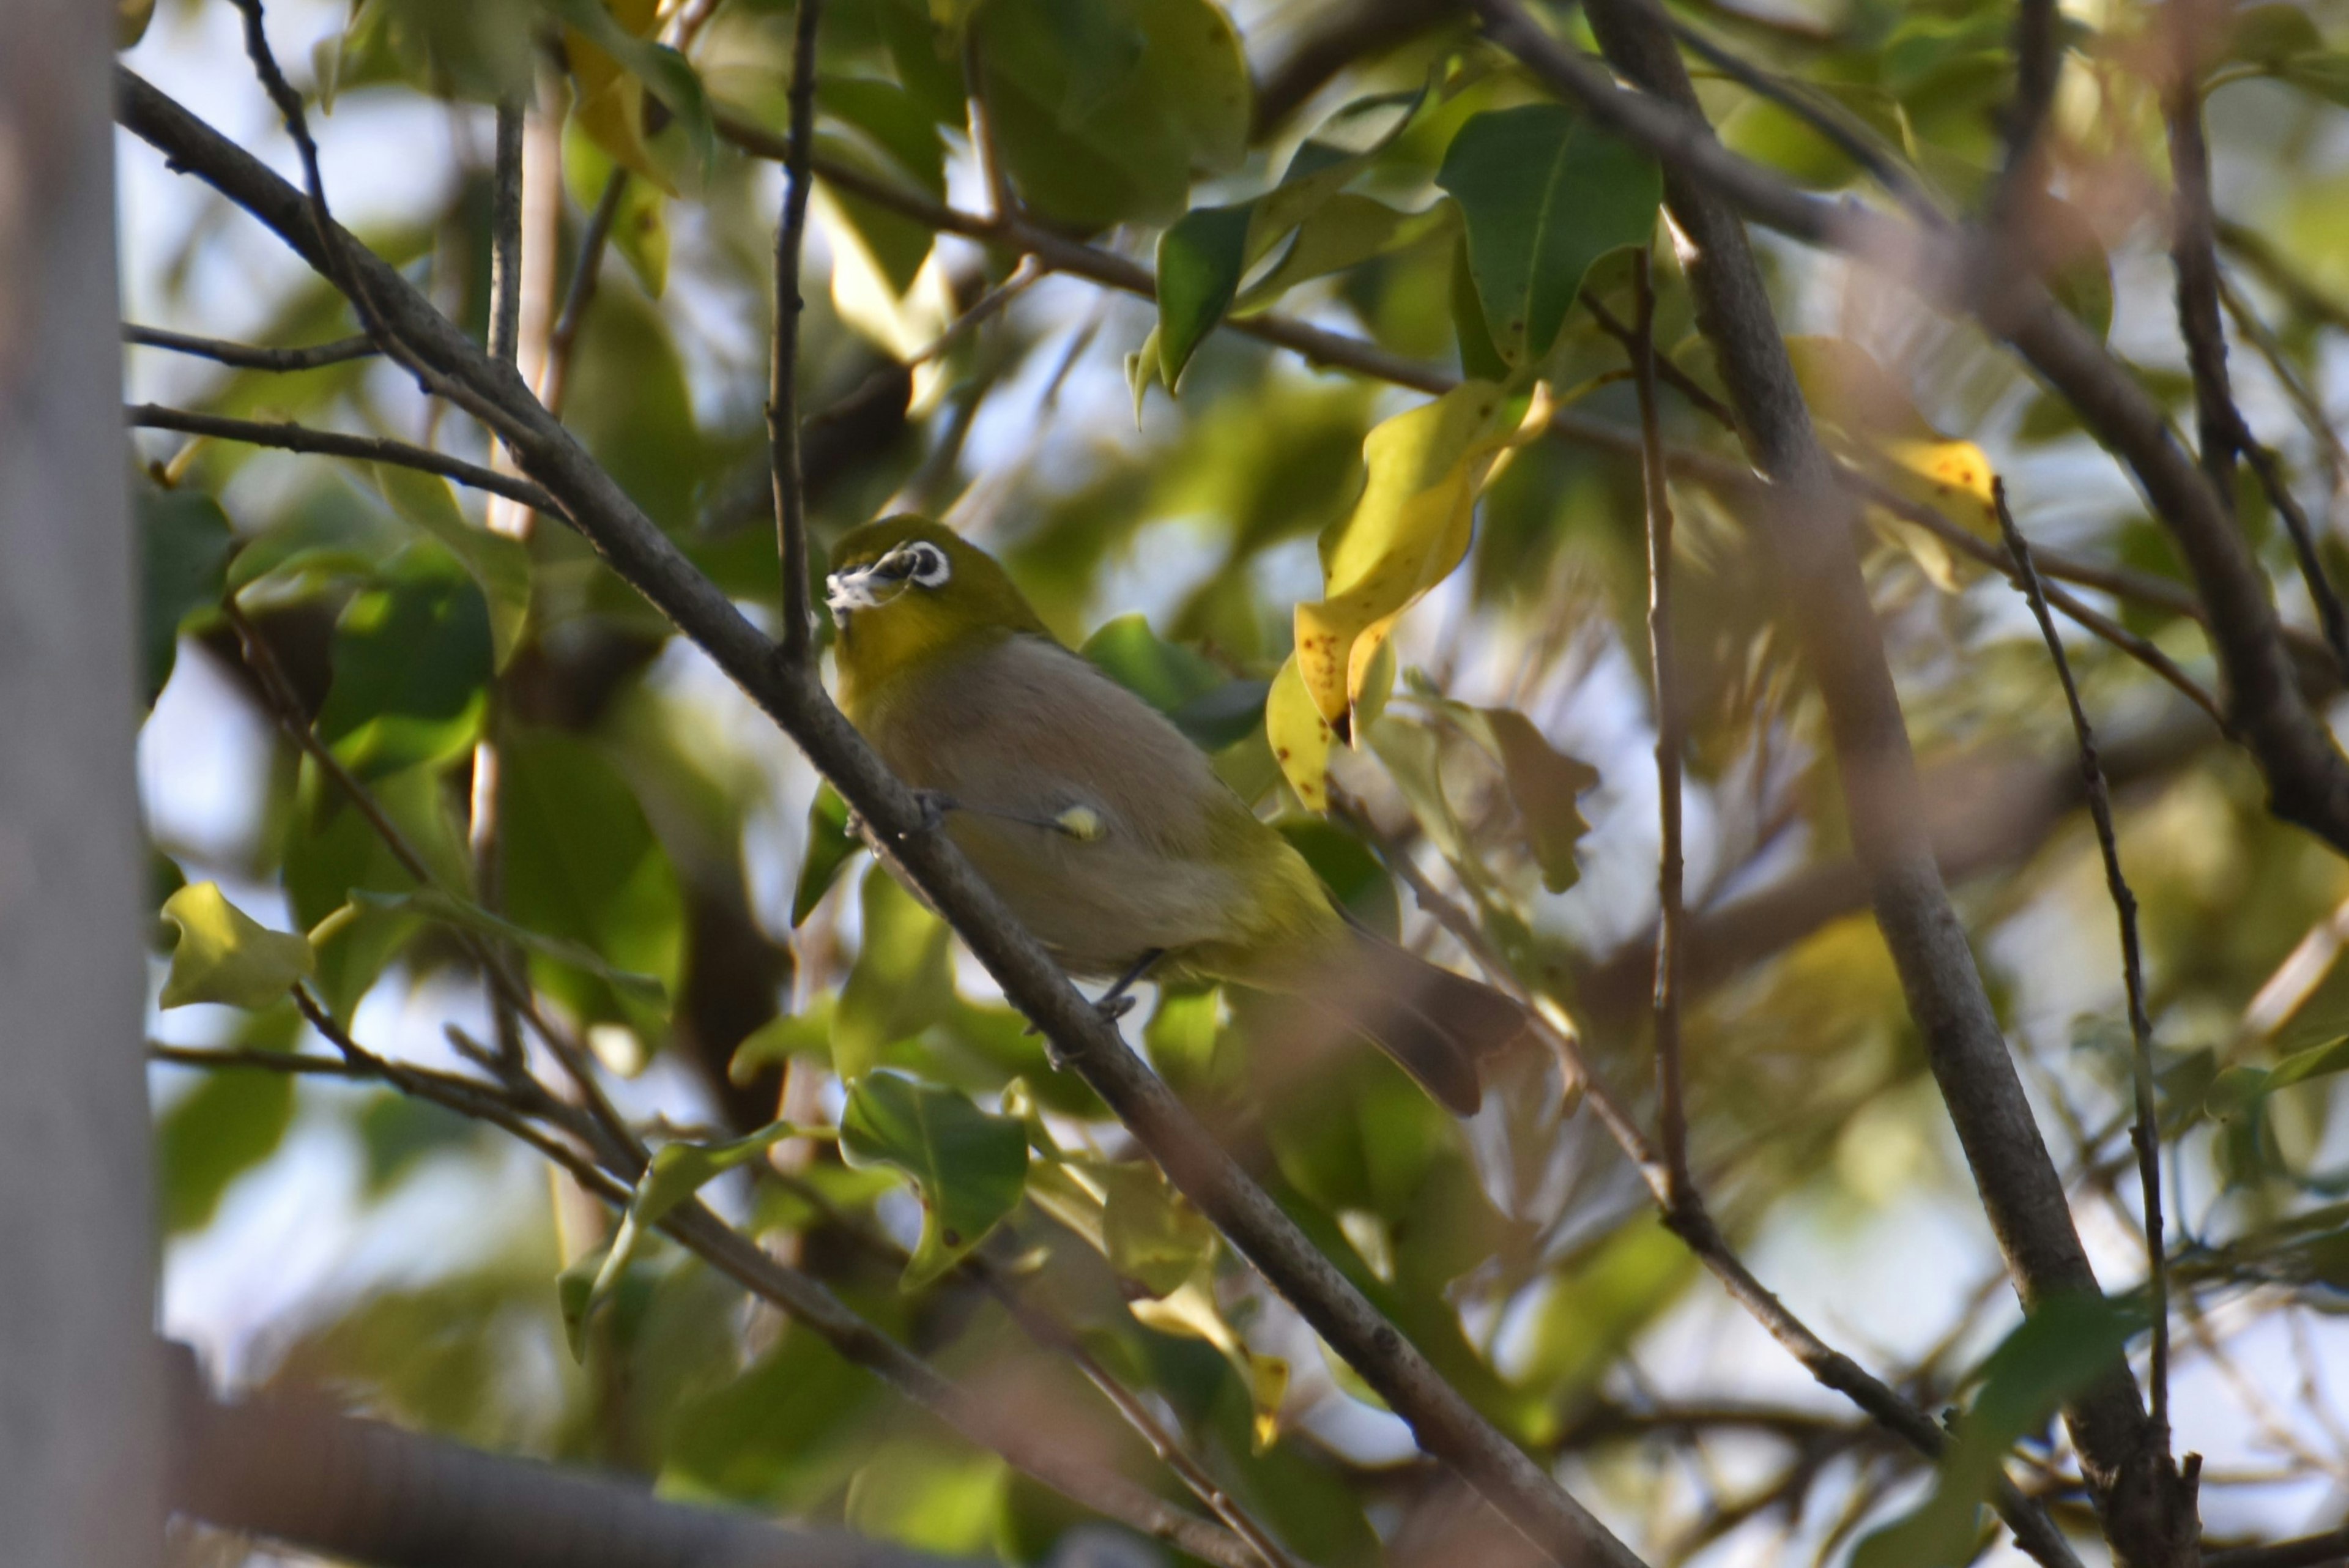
{"x":413,"y":665}
{"x":2060,"y":1348}
{"x":903,"y":980}
{"x":330,"y":851}
{"x":783,"y":1037}
{"x":1150,"y":1234}
{"x":1546,"y":193}
{"x":2236,"y":1092}
{"x":574,"y":1291}
{"x":1200,"y":258}
{"x":675,"y":1173}
{"x":1345,"y":232}
{"x":184,"y":542}
{"x":830,"y":845}
{"x":1103,"y":108}
{"x":969,"y":1168}
{"x":1166,"y":675}
{"x":225,"y":956}
{"x":583,"y":865}
{"x":642,"y":991}
{"x":499,"y":565}
{"x":1479,"y":360}
{"x":639,"y":223}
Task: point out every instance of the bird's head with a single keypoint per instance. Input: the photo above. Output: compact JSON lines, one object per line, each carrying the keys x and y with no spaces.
{"x":905,"y":590}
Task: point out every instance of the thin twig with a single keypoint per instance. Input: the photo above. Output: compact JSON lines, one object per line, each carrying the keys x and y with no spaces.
{"x":1679,"y":381}
{"x":505,"y":234}
{"x":2326,"y":1551}
{"x":2146,"y":1133}
{"x":1688,"y":1217}
{"x":1672,"y":1110}
{"x":587,"y":273}
{"x":782,"y":384}
{"x":2038,"y":45}
{"x":288,"y":103}
{"x":2269,"y":472}
{"x":2194,"y":256}
{"x":804,"y":1298}
{"x":290,"y":437}
{"x":250,"y":357}
{"x":616,"y":1140}
{"x":1832,"y":123}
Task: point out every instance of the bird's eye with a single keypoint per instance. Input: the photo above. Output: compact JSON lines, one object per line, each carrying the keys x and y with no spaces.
{"x":927,"y":566}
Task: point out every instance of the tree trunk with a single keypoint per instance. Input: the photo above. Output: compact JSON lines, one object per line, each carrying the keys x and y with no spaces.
{"x":79,"y":1394}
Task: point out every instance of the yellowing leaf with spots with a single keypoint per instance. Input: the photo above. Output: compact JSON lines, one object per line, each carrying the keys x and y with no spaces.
{"x":1193,"y":1310}
{"x":1405,"y":534}
{"x":1301,"y":737}
{"x":1872,"y":423}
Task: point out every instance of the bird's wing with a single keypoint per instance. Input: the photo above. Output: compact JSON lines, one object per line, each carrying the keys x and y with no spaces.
{"x":1023,"y":731}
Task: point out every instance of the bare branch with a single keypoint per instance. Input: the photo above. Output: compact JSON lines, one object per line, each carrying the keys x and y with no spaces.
{"x":1445,"y":1424}
{"x":587,"y":273}
{"x":297,"y":1469}
{"x":290,"y":437}
{"x":1672,"y":1113}
{"x":782,"y":387}
{"x":1809,"y":534}
{"x":505,"y":234}
{"x":248,"y":357}
{"x":2325,"y":1550}
{"x":2147,"y":1133}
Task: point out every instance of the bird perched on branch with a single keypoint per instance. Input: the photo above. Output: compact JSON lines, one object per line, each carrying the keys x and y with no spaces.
{"x":1100,"y":824}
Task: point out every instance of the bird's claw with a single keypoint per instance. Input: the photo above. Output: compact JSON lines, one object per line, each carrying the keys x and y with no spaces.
{"x":933,"y":804}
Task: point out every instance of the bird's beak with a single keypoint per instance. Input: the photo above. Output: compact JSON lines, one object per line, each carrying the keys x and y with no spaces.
{"x":854,"y":589}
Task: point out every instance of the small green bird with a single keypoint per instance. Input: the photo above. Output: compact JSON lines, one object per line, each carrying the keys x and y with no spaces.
{"x":1100,"y":824}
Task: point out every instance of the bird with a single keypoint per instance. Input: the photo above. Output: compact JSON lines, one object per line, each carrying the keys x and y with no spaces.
{"x":1105,"y":830}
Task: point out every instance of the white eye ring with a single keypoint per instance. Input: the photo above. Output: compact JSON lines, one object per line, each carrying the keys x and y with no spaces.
{"x":928,"y":565}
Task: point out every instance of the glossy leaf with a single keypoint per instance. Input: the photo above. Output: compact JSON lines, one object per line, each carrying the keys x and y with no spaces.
{"x":413,"y":665}
{"x":1200,"y":258}
{"x":968,"y":1168}
{"x":499,"y":565}
{"x":1301,"y":737}
{"x":184,"y":543}
{"x":1545,"y":193}
{"x":224,"y":955}
{"x":1103,"y":108}
{"x":582,"y":866}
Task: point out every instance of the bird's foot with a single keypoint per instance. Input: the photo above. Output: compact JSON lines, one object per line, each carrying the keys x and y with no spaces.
{"x":934,"y":804}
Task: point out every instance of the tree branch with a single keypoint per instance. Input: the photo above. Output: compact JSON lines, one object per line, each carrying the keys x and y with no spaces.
{"x":289,"y":436}
{"x":2326,"y":1551}
{"x":782,"y":386}
{"x":246,"y":355}
{"x":295,"y":1469}
{"x":1808,"y":530}
{"x":1672,"y":1113}
{"x":1963,"y":270}
{"x":2147,"y":1133}
{"x":1443,"y":1422}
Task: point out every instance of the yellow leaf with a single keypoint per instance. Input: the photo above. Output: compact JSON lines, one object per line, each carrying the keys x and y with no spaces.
{"x":1301,"y":737}
{"x":610,"y":105}
{"x":226,"y":956}
{"x":1405,"y":534}
{"x":1192,"y":1310}
{"x":1871,"y":423}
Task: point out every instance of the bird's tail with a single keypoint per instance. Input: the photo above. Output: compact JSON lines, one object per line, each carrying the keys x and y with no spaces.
{"x":1437,"y":1025}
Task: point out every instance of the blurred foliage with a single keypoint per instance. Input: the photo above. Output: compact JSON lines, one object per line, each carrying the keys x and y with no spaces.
{"x":1460,"y":650}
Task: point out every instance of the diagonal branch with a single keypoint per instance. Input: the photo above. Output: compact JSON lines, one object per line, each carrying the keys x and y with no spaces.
{"x":1445,"y":1424}
{"x":250,"y":357}
{"x":289,"y":436}
{"x":2147,"y":1133}
{"x":1808,"y":530}
{"x":1965,"y":271}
